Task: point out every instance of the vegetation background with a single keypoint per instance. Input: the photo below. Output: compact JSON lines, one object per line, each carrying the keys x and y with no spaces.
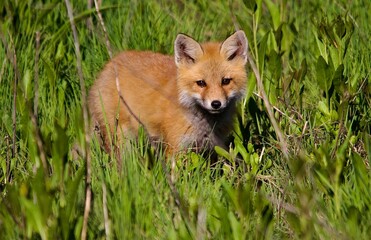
{"x":314,"y":60}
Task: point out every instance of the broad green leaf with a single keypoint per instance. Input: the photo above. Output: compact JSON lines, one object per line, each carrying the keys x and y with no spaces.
{"x":242,"y":150}
{"x":335,"y":56}
{"x":334,"y":116}
{"x":223,"y":153}
{"x":321,"y":47}
{"x":267,"y":165}
{"x":287,"y":39}
{"x":300,"y":74}
{"x":272,"y":44}
{"x":338,"y":77}
{"x":324,"y":74}
{"x":250,"y":4}
{"x":258,"y":12}
{"x":61,"y":51}
{"x":261,"y":51}
{"x":323,"y":108}
{"x":275,"y":65}
{"x":251,"y":85}
{"x":275,"y":13}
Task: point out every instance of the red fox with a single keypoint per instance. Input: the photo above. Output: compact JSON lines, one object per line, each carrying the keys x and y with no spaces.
{"x":187,"y":101}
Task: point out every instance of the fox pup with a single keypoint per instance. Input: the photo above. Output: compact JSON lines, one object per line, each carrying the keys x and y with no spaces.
{"x":187,"y":101}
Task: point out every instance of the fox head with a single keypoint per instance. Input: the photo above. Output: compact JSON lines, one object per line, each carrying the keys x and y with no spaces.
{"x":211,"y":75}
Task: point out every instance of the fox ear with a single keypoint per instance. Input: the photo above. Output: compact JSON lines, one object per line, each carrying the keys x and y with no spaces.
{"x":235,"y":46}
{"x":186,"y":49}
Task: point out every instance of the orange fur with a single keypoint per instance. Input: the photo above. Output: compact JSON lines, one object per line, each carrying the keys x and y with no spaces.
{"x":167,"y":99}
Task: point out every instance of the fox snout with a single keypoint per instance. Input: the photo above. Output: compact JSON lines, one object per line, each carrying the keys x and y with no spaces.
{"x":215,"y":105}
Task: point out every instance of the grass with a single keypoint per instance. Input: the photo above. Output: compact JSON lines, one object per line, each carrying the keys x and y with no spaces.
{"x":314,"y":62}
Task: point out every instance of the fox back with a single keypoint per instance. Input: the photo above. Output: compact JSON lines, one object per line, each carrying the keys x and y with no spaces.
{"x":186,"y":101}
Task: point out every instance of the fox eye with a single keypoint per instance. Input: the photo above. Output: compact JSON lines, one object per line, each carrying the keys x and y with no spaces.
{"x":201,"y":83}
{"x":226,"y":81}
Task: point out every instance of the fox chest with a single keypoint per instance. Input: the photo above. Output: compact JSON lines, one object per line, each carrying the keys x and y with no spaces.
{"x":202,"y":138}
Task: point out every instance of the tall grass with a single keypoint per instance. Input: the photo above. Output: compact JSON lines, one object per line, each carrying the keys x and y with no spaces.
{"x":314,"y":62}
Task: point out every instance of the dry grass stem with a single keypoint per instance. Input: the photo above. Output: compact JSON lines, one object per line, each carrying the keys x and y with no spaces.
{"x":105,"y":212}
{"x":263,"y":96}
{"x":86,"y":122}
{"x":11,"y":55}
{"x":277,"y":109}
{"x":281,"y":139}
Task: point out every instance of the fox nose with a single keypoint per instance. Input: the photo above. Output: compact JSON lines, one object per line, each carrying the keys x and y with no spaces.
{"x":216,"y":104}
